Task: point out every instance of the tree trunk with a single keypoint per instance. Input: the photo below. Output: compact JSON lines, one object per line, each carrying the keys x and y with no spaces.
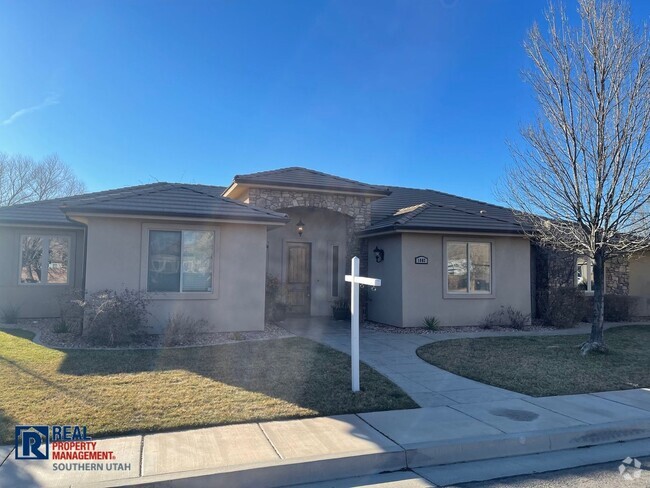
{"x":596,"y":340}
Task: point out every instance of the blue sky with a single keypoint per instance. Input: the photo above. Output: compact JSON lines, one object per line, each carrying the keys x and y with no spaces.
{"x":413,"y":93}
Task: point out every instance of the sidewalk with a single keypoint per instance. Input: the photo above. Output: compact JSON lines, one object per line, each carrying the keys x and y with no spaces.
{"x":272,"y":454}
{"x":394,"y":356}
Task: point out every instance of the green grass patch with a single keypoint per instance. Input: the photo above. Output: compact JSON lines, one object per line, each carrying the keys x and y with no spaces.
{"x":548,"y":365}
{"x":25,"y":334}
{"x":118,"y":392}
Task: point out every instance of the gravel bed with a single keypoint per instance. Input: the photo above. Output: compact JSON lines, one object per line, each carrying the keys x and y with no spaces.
{"x":448,"y":330}
{"x":47,"y":337}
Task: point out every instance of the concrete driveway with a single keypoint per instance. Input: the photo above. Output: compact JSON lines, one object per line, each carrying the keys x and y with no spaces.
{"x":393,"y":355}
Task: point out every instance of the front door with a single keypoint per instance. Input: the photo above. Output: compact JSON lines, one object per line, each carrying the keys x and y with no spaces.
{"x":298,"y":278}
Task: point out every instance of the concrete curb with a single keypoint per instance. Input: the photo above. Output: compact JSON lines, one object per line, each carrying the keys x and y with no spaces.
{"x":274,"y":475}
{"x":409,"y":456}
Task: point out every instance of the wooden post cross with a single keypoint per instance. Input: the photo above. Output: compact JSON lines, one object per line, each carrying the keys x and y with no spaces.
{"x":356,"y":280}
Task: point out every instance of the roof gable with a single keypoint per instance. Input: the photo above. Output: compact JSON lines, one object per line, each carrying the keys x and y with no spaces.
{"x":297,"y":177}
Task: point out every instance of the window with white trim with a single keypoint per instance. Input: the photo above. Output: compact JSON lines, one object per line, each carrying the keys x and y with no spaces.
{"x":469,"y":267}
{"x":44,"y":260}
{"x":180,"y":261}
{"x":585,"y":274}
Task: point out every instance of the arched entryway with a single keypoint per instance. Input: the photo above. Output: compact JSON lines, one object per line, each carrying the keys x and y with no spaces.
{"x":311,"y":266}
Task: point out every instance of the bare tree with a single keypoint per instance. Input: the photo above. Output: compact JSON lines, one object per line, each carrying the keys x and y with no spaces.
{"x":24,"y":180}
{"x":582,"y":181}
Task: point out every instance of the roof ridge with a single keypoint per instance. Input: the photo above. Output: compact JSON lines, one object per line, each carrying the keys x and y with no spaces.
{"x":128,"y":192}
{"x":312,"y":171}
{"x":82,"y":195}
{"x":452,"y":195}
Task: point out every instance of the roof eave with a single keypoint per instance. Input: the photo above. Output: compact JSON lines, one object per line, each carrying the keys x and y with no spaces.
{"x":80,"y":212}
{"x":390,"y":229}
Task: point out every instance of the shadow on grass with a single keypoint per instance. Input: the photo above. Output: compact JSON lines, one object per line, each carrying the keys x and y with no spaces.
{"x":295,"y":370}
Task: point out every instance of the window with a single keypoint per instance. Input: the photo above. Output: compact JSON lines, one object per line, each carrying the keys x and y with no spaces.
{"x":180,"y":261}
{"x":335,"y":271}
{"x":585,"y":274}
{"x":469,"y":267}
{"x":40,"y":267}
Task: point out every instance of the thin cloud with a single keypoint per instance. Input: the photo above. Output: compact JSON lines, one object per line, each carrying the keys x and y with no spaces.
{"x":51,"y":100}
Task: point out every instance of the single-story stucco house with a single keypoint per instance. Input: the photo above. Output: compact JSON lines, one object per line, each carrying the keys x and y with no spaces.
{"x":205,"y":251}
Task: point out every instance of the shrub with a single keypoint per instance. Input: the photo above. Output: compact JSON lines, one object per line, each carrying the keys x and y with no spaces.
{"x":182,"y":329}
{"x":114,"y":318}
{"x":507,"y":317}
{"x":617,"y":308}
{"x":561,"y":306}
{"x":341,"y":310}
{"x":71,"y":307}
{"x":61,"y":327}
{"x":431,"y":323}
{"x":10,"y":314}
{"x":275,"y":309}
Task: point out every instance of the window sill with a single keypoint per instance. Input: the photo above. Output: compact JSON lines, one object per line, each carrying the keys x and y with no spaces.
{"x":469,"y":296}
{"x":182,"y":296}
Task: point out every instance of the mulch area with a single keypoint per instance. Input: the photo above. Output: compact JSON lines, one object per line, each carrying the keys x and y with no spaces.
{"x":44,"y":328}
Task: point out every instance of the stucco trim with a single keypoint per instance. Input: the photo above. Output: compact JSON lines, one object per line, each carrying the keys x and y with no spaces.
{"x":237,"y":188}
{"x":144,"y":262}
{"x":446,"y":294}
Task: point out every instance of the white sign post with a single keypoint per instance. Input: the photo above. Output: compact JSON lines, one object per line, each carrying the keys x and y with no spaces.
{"x":356,"y":280}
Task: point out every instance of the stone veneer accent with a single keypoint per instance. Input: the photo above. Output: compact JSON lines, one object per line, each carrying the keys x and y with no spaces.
{"x":357,"y":207}
{"x":557,"y":269}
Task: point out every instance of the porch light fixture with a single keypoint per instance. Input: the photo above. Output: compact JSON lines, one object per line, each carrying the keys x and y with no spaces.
{"x":301,"y":227}
{"x":379,"y":254}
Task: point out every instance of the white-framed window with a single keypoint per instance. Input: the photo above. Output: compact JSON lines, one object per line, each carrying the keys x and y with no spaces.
{"x":468,"y":268}
{"x":44,"y":260}
{"x":585,"y":274}
{"x":180,"y":261}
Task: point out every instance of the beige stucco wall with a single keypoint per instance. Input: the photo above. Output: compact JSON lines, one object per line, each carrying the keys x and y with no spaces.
{"x":639,"y":269}
{"x":423,"y":289}
{"x":323,"y":229}
{"x":385,"y":303}
{"x":115,"y":261}
{"x":36,"y":300}
{"x":422,"y":286}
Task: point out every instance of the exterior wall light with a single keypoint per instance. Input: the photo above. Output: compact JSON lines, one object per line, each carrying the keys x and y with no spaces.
{"x":379,"y":254}
{"x":301,"y":227}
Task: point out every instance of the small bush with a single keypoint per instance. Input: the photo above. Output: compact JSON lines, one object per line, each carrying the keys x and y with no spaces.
{"x":275,"y":309}
{"x":561,"y":307}
{"x":182,"y":329}
{"x":431,"y":323}
{"x":341,"y":310}
{"x":71,"y":307}
{"x":61,"y":327}
{"x":114,"y":318}
{"x":10,"y":314}
{"x":506,"y":317}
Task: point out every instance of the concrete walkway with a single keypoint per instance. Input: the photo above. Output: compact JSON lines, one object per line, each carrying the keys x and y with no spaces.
{"x":394,"y":356}
{"x":425,"y":440}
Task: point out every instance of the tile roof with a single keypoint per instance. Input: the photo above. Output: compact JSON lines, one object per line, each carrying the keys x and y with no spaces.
{"x":416,"y":209}
{"x":296,"y":177}
{"x":156,"y":199}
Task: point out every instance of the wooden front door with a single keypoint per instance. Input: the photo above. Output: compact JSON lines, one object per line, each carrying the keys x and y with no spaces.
{"x":298,"y":278}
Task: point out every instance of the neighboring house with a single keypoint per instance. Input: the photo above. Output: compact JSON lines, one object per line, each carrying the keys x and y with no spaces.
{"x":205,"y":251}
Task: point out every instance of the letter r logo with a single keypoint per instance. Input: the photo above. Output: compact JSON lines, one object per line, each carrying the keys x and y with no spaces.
{"x":32,"y":442}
